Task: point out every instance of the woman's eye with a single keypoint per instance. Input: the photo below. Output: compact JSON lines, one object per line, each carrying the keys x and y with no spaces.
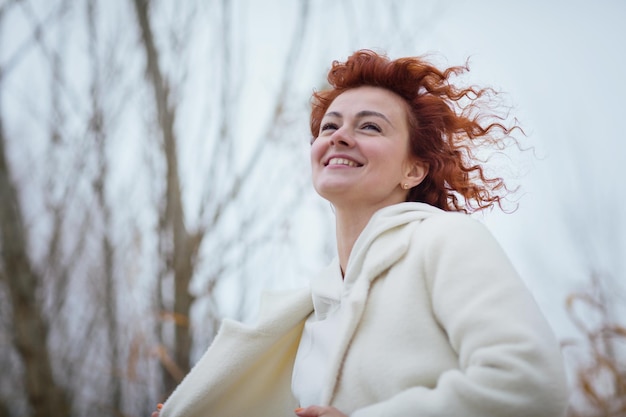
{"x":371,"y":126}
{"x":328,"y":126}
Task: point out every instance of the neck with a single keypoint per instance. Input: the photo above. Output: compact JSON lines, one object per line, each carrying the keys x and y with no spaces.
{"x":349,"y":225}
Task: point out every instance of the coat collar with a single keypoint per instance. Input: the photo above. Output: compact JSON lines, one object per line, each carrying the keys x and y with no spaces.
{"x":383,"y":242}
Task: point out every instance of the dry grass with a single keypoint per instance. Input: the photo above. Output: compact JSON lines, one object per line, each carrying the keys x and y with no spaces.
{"x":600,"y":372}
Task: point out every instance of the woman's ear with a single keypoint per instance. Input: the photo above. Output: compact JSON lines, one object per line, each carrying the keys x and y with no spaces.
{"x":415,"y":173}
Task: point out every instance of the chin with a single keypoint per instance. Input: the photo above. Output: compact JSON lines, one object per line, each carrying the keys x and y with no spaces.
{"x":332,"y":194}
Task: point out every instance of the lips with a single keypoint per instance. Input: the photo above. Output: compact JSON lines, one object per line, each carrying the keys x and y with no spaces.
{"x":343,"y":161}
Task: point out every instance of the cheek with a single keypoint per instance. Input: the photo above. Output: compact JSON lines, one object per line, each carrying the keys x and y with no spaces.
{"x":390,"y":161}
{"x":317,"y":151}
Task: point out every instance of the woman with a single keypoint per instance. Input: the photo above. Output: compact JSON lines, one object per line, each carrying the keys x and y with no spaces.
{"x":421,"y":313}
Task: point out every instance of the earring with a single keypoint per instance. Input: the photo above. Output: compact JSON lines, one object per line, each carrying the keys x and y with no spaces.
{"x":405,"y":186}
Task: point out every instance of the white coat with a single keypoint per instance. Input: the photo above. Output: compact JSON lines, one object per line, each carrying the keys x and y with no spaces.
{"x":439,"y":324}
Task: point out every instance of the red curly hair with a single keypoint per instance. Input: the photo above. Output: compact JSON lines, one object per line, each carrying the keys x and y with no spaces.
{"x":447,"y":125}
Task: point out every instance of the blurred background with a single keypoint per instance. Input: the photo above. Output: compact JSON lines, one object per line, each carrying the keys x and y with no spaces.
{"x":154,"y":177}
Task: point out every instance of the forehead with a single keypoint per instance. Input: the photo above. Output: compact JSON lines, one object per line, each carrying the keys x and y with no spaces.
{"x":369,"y":98}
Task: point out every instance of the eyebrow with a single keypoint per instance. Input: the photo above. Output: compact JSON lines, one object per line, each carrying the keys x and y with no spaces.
{"x":362,"y":113}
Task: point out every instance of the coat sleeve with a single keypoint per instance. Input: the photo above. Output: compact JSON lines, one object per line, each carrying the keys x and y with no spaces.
{"x":247,"y":369}
{"x":509,"y":362}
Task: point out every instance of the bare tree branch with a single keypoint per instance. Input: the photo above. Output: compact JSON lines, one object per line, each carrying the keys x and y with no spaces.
{"x":32,"y":41}
{"x":38,"y":39}
{"x":223,"y":147}
{"x":269,"y":133}
{"x":97,"y":130}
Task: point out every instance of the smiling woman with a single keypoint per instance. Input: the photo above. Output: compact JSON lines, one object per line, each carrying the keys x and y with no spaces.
{"x":361,"y":155}
{"x":421,"y":313}
{"x":446,"y":125}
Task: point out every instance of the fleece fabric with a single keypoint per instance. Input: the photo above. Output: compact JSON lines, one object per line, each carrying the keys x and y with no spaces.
{"x":437,"y":323}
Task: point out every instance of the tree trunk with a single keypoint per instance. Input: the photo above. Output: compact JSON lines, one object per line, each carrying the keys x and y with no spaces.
{"x":30,"y":332}
{"x":183,"y":250}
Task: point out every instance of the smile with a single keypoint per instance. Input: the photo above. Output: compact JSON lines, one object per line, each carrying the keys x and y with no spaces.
{"x":342,"y":161}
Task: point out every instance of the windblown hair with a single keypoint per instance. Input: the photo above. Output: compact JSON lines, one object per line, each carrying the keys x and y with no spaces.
{"x":448,"y":125}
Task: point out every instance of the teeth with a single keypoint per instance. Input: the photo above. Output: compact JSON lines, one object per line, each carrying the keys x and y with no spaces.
{"x":342,"y":161}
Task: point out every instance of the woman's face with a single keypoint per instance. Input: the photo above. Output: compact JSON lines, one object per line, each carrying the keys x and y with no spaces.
{"x":361,"y":155}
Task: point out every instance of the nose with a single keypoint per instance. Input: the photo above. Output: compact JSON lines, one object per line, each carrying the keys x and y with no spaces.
{"x":342,"y":137}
